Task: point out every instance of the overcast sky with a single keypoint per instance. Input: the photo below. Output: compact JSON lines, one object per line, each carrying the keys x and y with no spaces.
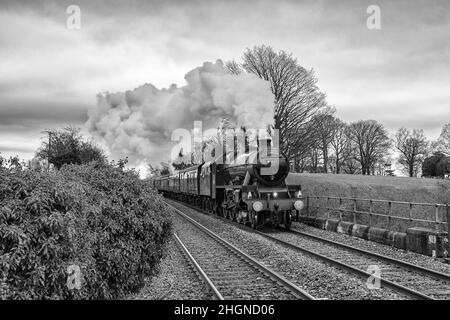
{"x":50,"y":75}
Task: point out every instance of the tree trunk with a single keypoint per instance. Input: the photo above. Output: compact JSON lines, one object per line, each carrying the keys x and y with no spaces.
{"x":411,"y":170}
{"x":296,"y":163}
{"x":325,"y":160}
{"x":365,"y":170}
{"x":338,"y":167}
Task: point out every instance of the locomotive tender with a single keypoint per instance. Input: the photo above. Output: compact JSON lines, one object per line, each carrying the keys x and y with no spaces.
{"x":238,"y":191}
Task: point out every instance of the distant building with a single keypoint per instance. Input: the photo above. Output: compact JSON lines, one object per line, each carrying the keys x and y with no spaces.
{"x":388,"y":171}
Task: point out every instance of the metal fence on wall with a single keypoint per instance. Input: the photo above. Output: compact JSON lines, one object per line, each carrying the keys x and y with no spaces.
{"x":393,"y":215}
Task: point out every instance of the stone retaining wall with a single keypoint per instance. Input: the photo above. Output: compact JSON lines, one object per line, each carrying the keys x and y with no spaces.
{"x":421,"y":240}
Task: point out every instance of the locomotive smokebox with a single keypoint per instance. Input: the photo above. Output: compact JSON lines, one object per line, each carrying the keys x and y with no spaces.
{"x":281,"y":171}
{"x":271,"y":168}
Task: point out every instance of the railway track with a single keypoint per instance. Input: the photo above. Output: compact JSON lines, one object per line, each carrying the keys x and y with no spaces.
{"x":228,"y":272}
{"x":397,"y":274}
{"x":215,"y":294}
{"x":405,"y":278}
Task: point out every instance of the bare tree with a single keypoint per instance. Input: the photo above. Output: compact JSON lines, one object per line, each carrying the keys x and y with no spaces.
{"x":314,"y":158}
{"x":371,"y":141}
{"x":297,"y":97}
{"x":351,"y":166}
{"x":324,"y":127}
{"x":413,"y":148}
{"x":300,"y":162}
{"x":340,"y":144}
{"x":233,"y":67}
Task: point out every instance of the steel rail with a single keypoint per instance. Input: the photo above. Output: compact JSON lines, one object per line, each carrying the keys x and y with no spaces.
{"x":216,"y":294}
{"x":363,"y":274}
{"x":293,"y":288}
{"x":412,"y":267}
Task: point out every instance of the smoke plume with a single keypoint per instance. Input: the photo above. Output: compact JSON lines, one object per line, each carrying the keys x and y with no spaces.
{"x":138,"y":124}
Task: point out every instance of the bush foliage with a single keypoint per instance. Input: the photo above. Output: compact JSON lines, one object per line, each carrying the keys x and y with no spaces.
{"x":437,"y":165}
{"x":99,"y":217}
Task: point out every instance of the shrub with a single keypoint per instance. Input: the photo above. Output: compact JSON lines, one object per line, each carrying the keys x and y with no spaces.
{"x":98,"y":217}
{"x":68,"y":146}
{"x":436,"y":165}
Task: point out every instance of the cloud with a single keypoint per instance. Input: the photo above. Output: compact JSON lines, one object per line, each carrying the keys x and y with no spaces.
{"x":139,"y":123}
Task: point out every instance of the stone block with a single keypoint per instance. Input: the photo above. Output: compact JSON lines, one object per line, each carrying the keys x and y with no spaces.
{"x":427,"y":241}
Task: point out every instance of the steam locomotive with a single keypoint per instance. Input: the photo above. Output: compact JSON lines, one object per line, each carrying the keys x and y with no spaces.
{"x":240,"y":191}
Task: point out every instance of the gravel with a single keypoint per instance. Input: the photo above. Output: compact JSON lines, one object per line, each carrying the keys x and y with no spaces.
{"x":417,"y":281}
{"x":176,"y":280}
{"x":321,"y":280}
{"x":408,"y":256}
{"x":234,"y":278}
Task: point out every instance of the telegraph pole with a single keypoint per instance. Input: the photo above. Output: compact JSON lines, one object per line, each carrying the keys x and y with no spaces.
{"x":49,"y":147}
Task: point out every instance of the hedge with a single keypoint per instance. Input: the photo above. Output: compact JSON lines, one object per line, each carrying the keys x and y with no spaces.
{"x":99,"y":218}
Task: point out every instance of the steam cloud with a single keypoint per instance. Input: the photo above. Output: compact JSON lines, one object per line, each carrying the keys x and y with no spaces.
{"x":138,"y":124}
